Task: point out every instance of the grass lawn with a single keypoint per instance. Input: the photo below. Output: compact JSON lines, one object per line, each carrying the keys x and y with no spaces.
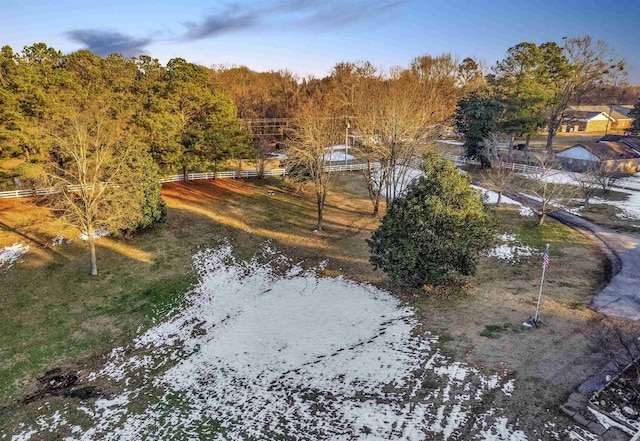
{"x":53,"y":314}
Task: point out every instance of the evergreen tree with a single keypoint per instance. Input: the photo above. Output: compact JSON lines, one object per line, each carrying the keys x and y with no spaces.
{"x":438,"y":226}
{"x":635,"y":125}
{"x":476,"y":118}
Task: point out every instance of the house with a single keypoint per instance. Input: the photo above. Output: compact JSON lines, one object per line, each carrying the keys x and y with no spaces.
{"x":614,"y":152}
{"x":596,"y":118}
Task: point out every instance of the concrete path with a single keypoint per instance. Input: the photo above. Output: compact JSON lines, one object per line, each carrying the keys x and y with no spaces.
{"x":621,"y":297}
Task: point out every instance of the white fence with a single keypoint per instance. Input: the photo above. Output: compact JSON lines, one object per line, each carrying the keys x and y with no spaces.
{"x":350,"y":167}
{"x":459,"y":160}
{"x":225,"y":174}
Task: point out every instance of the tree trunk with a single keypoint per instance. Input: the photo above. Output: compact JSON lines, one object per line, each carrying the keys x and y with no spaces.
{"x":320,"y":212}
{"x":550,"y":136}
{"x":499,"y":198}
{"x":376,"y":205}
{"x":543,"y":214}
{"x":184,"y":173}
{"x":511,"y":138}
{"x":526,"y":146}
{"x":92,"y":250}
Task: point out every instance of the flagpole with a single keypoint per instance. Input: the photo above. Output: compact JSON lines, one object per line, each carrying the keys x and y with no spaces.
{"x":545,"y":263}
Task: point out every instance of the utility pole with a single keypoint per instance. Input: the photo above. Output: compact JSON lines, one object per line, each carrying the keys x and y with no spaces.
{"x":346,"y":142}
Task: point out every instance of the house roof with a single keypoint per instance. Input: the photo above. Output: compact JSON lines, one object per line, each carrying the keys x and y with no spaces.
{"x":614,"y":147}
{"x":584,"y":115}
{"x":630,"y":141}
{"x":616,"y":112}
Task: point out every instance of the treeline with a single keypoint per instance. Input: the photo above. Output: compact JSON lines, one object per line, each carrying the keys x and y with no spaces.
{"x":279,"y":94}
{"x":176,"y":113}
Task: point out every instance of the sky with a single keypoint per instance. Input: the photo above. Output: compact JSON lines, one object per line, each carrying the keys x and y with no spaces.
{"x":308,"y":37}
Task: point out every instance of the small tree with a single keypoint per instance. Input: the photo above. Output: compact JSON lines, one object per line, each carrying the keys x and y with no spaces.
{"x":588,"y":183}
{"x":605,"y":176}
{"x":550,"y":194}
{"x":314,"y":131}
{"x":499,"y":177}
{"x":437,"y":226}
{"x":262,"y":154}
{"x":620,"y":340}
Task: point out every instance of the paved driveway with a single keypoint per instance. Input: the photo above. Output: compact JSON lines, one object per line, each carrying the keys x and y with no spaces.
{"x":621,"y":297}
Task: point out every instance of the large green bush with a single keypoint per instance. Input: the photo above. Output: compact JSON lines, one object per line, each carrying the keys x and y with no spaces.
{"x":437,"y":226}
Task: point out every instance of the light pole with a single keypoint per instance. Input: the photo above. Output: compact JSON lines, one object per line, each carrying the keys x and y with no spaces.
{"x":346,"y":142}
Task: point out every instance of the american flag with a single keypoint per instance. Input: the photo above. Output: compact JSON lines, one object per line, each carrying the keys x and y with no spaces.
{"x":545,"y":259}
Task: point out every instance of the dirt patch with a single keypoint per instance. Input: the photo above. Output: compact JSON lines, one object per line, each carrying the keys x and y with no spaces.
{"x":62,"y":383}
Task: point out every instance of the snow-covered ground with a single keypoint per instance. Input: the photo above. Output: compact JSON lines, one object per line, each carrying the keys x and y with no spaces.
{"x":629,"y":208}
{"x":450,"y":141}
{"x":278,"y":155}
{"x":266,"y":348}
{"x":511,"y":250}
{"x":97,"y":234}
{"x":338,"y":153}
{"x":9,"y":254}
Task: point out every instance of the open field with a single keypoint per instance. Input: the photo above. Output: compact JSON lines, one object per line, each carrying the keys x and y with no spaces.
{"x":54,"y":315}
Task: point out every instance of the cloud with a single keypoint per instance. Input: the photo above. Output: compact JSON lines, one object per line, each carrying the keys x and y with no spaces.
{"x":316,"y":15}
{"x":332,"y":14}
{"x":231,"y":19}
{"x":104,"y":43}
{"x":302,"y":14}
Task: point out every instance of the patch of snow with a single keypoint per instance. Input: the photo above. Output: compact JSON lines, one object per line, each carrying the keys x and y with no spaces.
{"x":450,"y":141}
{"x":607,"y":422}
{"x":11,"y":253}
{"x":337,"y":153}
{"x":555,"y":177}
{"x":57,"y":241}
{"x":267,"y":348}
{"x":492,"y":197}
{"x":97,"y":234}
{"x":526,"y":211}
{"x":508,"y":388}
{"x":278,"y":155}
{"x":511,"y":249}
{"x":628,"y":209}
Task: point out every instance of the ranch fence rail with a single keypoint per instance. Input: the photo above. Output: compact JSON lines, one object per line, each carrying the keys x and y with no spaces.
{"x":234,"y":174}
{"x":223,"y":174}
{"x":525,"y":168}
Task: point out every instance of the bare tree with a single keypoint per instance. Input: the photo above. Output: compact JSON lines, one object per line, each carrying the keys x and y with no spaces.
{"x":589,"y":64}
{"x":97,"y":182}
{"x":606,"y":177}
{"x":548,"y":191}
{"x":393,"y":120}
{"x":315,"y":130}
{"x":588,"y":183}
{"x":499,"y":177}
{"x":263,"y":153}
